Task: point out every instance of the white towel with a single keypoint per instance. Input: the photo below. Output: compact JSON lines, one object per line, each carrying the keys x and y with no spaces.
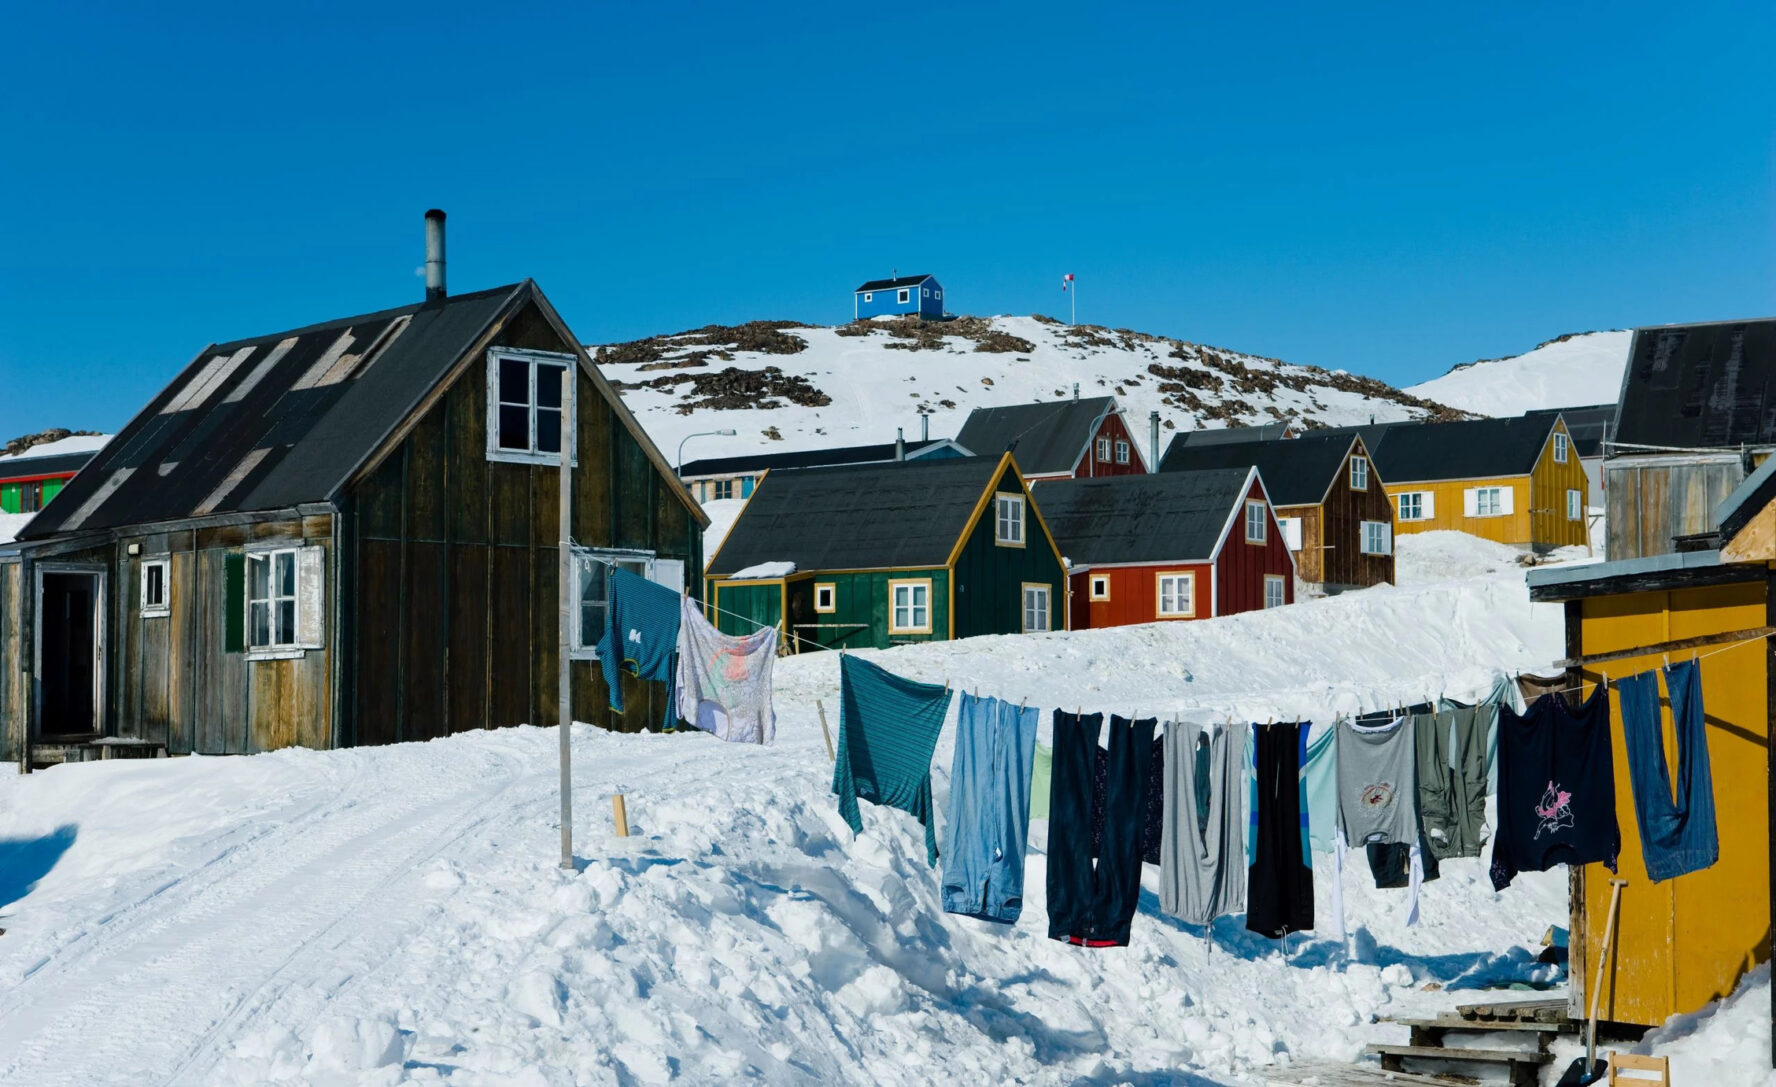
{"x":724,"y":682}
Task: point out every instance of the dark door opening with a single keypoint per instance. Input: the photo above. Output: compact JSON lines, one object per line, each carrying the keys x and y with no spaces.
{"x":68,"y":655}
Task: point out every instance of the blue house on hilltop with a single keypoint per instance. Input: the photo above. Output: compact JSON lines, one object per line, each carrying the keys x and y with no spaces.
{"x":899,"y":297}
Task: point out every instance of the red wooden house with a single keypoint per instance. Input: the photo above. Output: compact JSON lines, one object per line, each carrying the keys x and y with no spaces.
{"x":1057,"y":439}
{"x":1175,"y":545}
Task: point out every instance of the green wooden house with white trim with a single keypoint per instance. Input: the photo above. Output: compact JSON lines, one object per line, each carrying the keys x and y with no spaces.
{"x":876,"y":555}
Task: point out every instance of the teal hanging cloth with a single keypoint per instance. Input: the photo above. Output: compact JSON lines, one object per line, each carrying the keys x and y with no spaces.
{"x":888,"y":729}
{"x":640,"y":634}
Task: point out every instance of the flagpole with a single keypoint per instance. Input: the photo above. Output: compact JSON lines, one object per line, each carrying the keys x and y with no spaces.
{"x":1073,"y":299}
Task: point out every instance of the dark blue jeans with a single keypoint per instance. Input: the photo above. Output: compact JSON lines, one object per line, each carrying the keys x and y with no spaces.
{"x":1093,"y":904}
{"x":1677,"y":833}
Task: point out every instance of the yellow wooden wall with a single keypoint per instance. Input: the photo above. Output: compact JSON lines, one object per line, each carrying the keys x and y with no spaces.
{"x":1538,"y":504}
{"x":1684,"y":942}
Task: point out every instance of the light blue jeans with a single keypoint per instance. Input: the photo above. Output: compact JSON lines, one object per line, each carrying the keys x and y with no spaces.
{"x":989,"y":815}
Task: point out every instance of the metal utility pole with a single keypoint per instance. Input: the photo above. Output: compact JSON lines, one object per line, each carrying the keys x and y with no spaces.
{"x":564,"y":650}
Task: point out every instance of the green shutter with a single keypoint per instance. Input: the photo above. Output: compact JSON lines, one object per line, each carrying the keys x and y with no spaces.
{"x":51,"y":488}
{"x":234,"y":603}
{"x":9,"y":497}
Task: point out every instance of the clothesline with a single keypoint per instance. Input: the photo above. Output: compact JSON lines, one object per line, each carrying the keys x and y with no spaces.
{"x":1696,"y":656}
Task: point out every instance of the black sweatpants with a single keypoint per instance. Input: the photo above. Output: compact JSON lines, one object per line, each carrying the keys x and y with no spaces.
{"x":1279,"y":883}
{"x":1087,"y":904}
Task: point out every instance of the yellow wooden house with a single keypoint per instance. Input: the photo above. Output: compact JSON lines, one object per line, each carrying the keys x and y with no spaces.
{"x":1684,"y":942}
{"x":1517,"y":481}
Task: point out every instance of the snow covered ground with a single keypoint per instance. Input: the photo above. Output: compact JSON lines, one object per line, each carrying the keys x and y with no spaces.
{"x":396,"y":914}
{"x":11,"y":524}
{"x":1569,"y":372}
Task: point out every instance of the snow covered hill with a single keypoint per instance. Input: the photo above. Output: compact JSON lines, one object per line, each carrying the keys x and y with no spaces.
{"x":784,"y":386}
{"x":1566,"y":372}
{"x":396,"y":914}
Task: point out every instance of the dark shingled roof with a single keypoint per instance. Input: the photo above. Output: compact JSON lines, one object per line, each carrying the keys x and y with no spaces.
{"x":858,"y":517}
{"x":1705,"y":386}
{"x":891,"y":284}
{"x":1269,"y":432}
{"x":807,"y":458}
{"x":1470,"y":449}
{"x":273,"y":421}
{"x":1588,"y":425}
{"x":50,"y":464}
{"x":1046,"y":438}
{"x":1165,"y":517}
{"x":1296,"y":471}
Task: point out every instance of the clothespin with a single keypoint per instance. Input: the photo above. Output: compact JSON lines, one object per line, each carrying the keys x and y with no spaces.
{"x":1667,"y":660}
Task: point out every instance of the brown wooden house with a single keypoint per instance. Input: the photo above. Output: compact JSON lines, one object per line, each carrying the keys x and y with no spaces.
{"x":338,"y":535}
{"x":1332,"y":506}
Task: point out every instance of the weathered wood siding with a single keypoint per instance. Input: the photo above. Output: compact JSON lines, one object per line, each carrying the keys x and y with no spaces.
{"x":741,"y":607}
{"x":1650,"y":500}
{"x":989,"y":578}
{"x":14,"y":681}
{"x":1241,"y":567}
{"x":454,"y":564}
{"x":1342,"y":562}
{"x":1310,"y":561}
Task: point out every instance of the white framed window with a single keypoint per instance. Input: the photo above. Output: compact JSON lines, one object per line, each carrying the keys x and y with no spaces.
{"x":1100,"y":587}
{"x":1487,"y":501}
{"x":1008,"y":520}
{"x":591,"y":573}
{"x":1177,"y":594}
{"x":1103,"y":447}
{"x":906,"y":295}
{"x":826,"y":596}
{"x":909,"y":606}
{"x":1378,"y":538}
{"x":1255,"y":527}
{"x":1359,"y":473}
{"x":869,"y":296}
{"x":723,"y":488}
{"x":1037,"y":616}
{"x":1275,"y":593}
{"x":284,"y":600}
{"x":1575,"y":505}
{"x":524,"y":411}
{"x":1122,"y":452}
{"x":1290,"y":527}
{"x":926,"y":292}
{"x":938,"y":296}
{"x":1415,"y":506}
{"x":155,"y":593}
{"x":1562,"y":445}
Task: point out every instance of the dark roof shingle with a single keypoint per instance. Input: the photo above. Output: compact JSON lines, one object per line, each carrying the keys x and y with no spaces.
{"x":1046,"y":438}
{"x":891,"y":284}
{"x":804,"y":458}
{"x":1296,"y":471}
{"x":1470,"y":449}
{"x":1704,"y":386}
{"x":1165,"y":517}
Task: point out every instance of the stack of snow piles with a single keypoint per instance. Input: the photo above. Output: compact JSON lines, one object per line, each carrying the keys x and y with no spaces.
{"x":396,"y":914}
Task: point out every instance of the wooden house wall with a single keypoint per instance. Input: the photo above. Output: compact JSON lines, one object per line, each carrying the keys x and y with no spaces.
{"x":1310,"y":561}
{"x":1649,"y":500}
{"x":1448,"y":509}
{"x":989,"y":578}
{"x":1342,"y":562}
{"x":1241,"y":567}
{"x":1688,"y":941}
{"x":744,"y":606}
{"x":454,"y":565}
{"x":1091,"y":467}
{"x":14,"y":688}
{"x":1549,"y":480}
{"x":861,"y":597}
{"x":1134,"y":595}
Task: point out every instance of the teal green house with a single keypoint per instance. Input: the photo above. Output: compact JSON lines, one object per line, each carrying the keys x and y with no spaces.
{"x":877,"y":555}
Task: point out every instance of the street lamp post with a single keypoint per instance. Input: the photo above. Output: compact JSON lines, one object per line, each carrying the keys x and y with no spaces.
{"x":729,"y":433}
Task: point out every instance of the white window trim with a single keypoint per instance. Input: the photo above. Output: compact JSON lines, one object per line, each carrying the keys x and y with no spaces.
{"x":1263,"y":528}
{"x":1002,"y":500}
{"x":1159,"y":581}
{"x":869,"y":296}
{"x":1282,"y":590}
{"x":610,"y":556}
{"x":1363,"y":538}
{"x":912,"y":607}
{"x":165,"y":607}
{"x":905,"y":296}
{"x":1047,"y":592}
{"x":303,"y":555}
{"x":1575,"y":505}
{"x":1499,"y":511}
{"x":1290,"y":527}
{"x":831,"y":589}
{"x":1399,"y":510}
{"x":1092,"y":583}
{"x":569,"y":411}
{"x":1122,"y":452}
{"x":1101,"y":448}
{"x":1562,"y":446}
{"x":1363,"y":463}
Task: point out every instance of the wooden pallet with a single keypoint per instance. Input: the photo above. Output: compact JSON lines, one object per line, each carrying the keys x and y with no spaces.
{"x":1522,"y":1066}
{"x":1536,"y":1011}
{"x":1336,"y":1074}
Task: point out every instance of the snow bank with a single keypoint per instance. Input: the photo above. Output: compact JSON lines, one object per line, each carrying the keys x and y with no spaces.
{"x":397,"y":915}
{"x":11,"y":524}
{"x":1569,"y":372}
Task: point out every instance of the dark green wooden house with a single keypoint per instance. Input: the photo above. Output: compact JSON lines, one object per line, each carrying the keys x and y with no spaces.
{"x":882,"y":554}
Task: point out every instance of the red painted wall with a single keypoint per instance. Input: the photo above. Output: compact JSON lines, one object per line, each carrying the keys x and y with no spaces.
{"x":1242,"y":565}
{"x":1091,"y":467}
{"x":1134,"y":595}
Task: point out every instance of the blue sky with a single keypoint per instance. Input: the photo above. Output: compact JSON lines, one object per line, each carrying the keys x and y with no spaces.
{"x":1387,"y":189}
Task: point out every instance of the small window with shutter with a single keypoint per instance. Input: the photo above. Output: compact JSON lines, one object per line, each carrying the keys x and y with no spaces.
{"x":281,"y":599}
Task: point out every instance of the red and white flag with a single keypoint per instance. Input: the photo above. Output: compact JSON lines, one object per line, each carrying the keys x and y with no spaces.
{"x":1066,"y":281}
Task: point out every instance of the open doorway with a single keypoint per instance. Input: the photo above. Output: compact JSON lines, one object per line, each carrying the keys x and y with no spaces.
{"x":70,"y":653}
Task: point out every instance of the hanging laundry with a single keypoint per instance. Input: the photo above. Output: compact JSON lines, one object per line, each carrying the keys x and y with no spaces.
{"x":1677,"y":834}
{"x":724,"y":681}
{"x":888,"y":728}
{"x":640,"y":632}
{"x":1452,"y":781}
{"x":1505,"y":692}
{"x":1321,"y":777}
{"x":1039,"y":781}
{"x":989,"y":811}
{"x":1378,"y":800}
{"x":1152,"y":811}
{"x":1556,"y":788}
{"x":1391,"y":865}
{"x":1532,"y":688}
{"x":1087,"y":904}
{"x":1279,"y":884}
{"x":1201,"y":872}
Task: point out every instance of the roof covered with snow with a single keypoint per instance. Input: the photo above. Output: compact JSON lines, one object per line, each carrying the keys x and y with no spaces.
{"x":1164,"y":517}
{"x":866,"y":517}
{"x":277,"y":420}
{"x":1707,"y":386}
{"x":1296,"y":471}
{"x":1046,"y":438}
